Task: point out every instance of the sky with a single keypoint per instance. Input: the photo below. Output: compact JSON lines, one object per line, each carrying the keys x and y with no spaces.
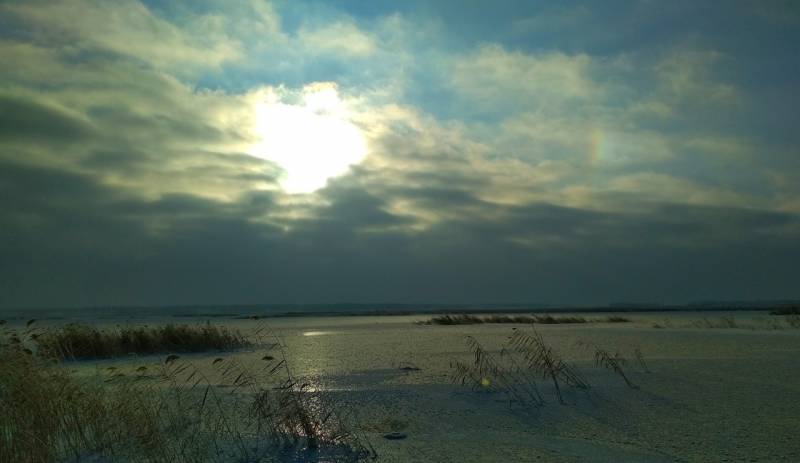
{"x":309,"y":151}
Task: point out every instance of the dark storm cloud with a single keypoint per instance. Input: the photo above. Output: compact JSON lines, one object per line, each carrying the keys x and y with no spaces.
{"x":355,"y":208}
{"x":71,"y":231}
{"x":168,"y":126}
{"x":66,"y":230}
{"x":23,"y":119}
{"x":117,"y":160}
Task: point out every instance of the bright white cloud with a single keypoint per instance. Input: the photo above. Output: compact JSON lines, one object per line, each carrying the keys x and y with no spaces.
{"x":562,"y":125}
{"x":308,"y":133}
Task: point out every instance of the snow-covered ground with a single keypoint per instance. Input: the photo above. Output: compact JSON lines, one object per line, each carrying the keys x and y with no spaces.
{"x":712,"y":394}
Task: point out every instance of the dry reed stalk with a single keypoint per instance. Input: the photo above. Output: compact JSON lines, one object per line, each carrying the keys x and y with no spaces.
{"x":490,"y":373}
{"x":603,"y":358}
{"x":640,"y":359}
{"x":541,"y":358}
{"x":525,"y":357}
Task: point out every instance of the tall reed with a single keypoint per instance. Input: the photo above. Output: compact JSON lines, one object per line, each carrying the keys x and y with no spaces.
{"x":541,"y":358}
{"x":169,"y":412}
{"x":615,"y":363}
{"x":514,"y":372}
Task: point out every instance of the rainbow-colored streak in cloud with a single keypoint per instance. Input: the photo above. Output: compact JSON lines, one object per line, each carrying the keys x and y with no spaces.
{"x":595,"y":145}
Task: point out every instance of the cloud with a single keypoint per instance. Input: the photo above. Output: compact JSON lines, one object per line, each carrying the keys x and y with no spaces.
{"x":185,"y":248}
{"x":33,"y":121}
{"x":493,"y":77}
{"x":496,"y":170}
{"x":127,"y":28}
{"x":344,"y":38}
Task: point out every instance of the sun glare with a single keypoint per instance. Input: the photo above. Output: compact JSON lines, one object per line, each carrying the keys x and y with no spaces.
{"x":310,"y":136}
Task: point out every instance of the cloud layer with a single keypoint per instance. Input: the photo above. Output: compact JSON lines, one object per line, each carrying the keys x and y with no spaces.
{"x":517,"y":154}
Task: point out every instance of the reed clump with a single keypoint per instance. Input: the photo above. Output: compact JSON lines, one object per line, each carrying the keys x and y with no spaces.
{"x":173,"y":411}
{"x":543,"y":360}
{"x":503,"y":373}
{"x":525,"y":359}
{"x":79,"y":341}
{"x":48,"y":415}
{"x":789,"y":310}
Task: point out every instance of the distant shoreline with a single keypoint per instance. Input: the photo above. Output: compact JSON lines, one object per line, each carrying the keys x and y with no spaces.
{"x":351,"y":310}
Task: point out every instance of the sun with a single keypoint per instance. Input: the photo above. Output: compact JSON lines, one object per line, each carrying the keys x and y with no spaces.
{"x":309,"y":134}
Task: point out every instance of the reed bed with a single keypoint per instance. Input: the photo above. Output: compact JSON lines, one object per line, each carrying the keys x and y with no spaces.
{"x":787,"y":321}
{"x":173,"y":411}
{"x":79,"y":341}
{"x":789,"y":310}
{"x":467,"y":319}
